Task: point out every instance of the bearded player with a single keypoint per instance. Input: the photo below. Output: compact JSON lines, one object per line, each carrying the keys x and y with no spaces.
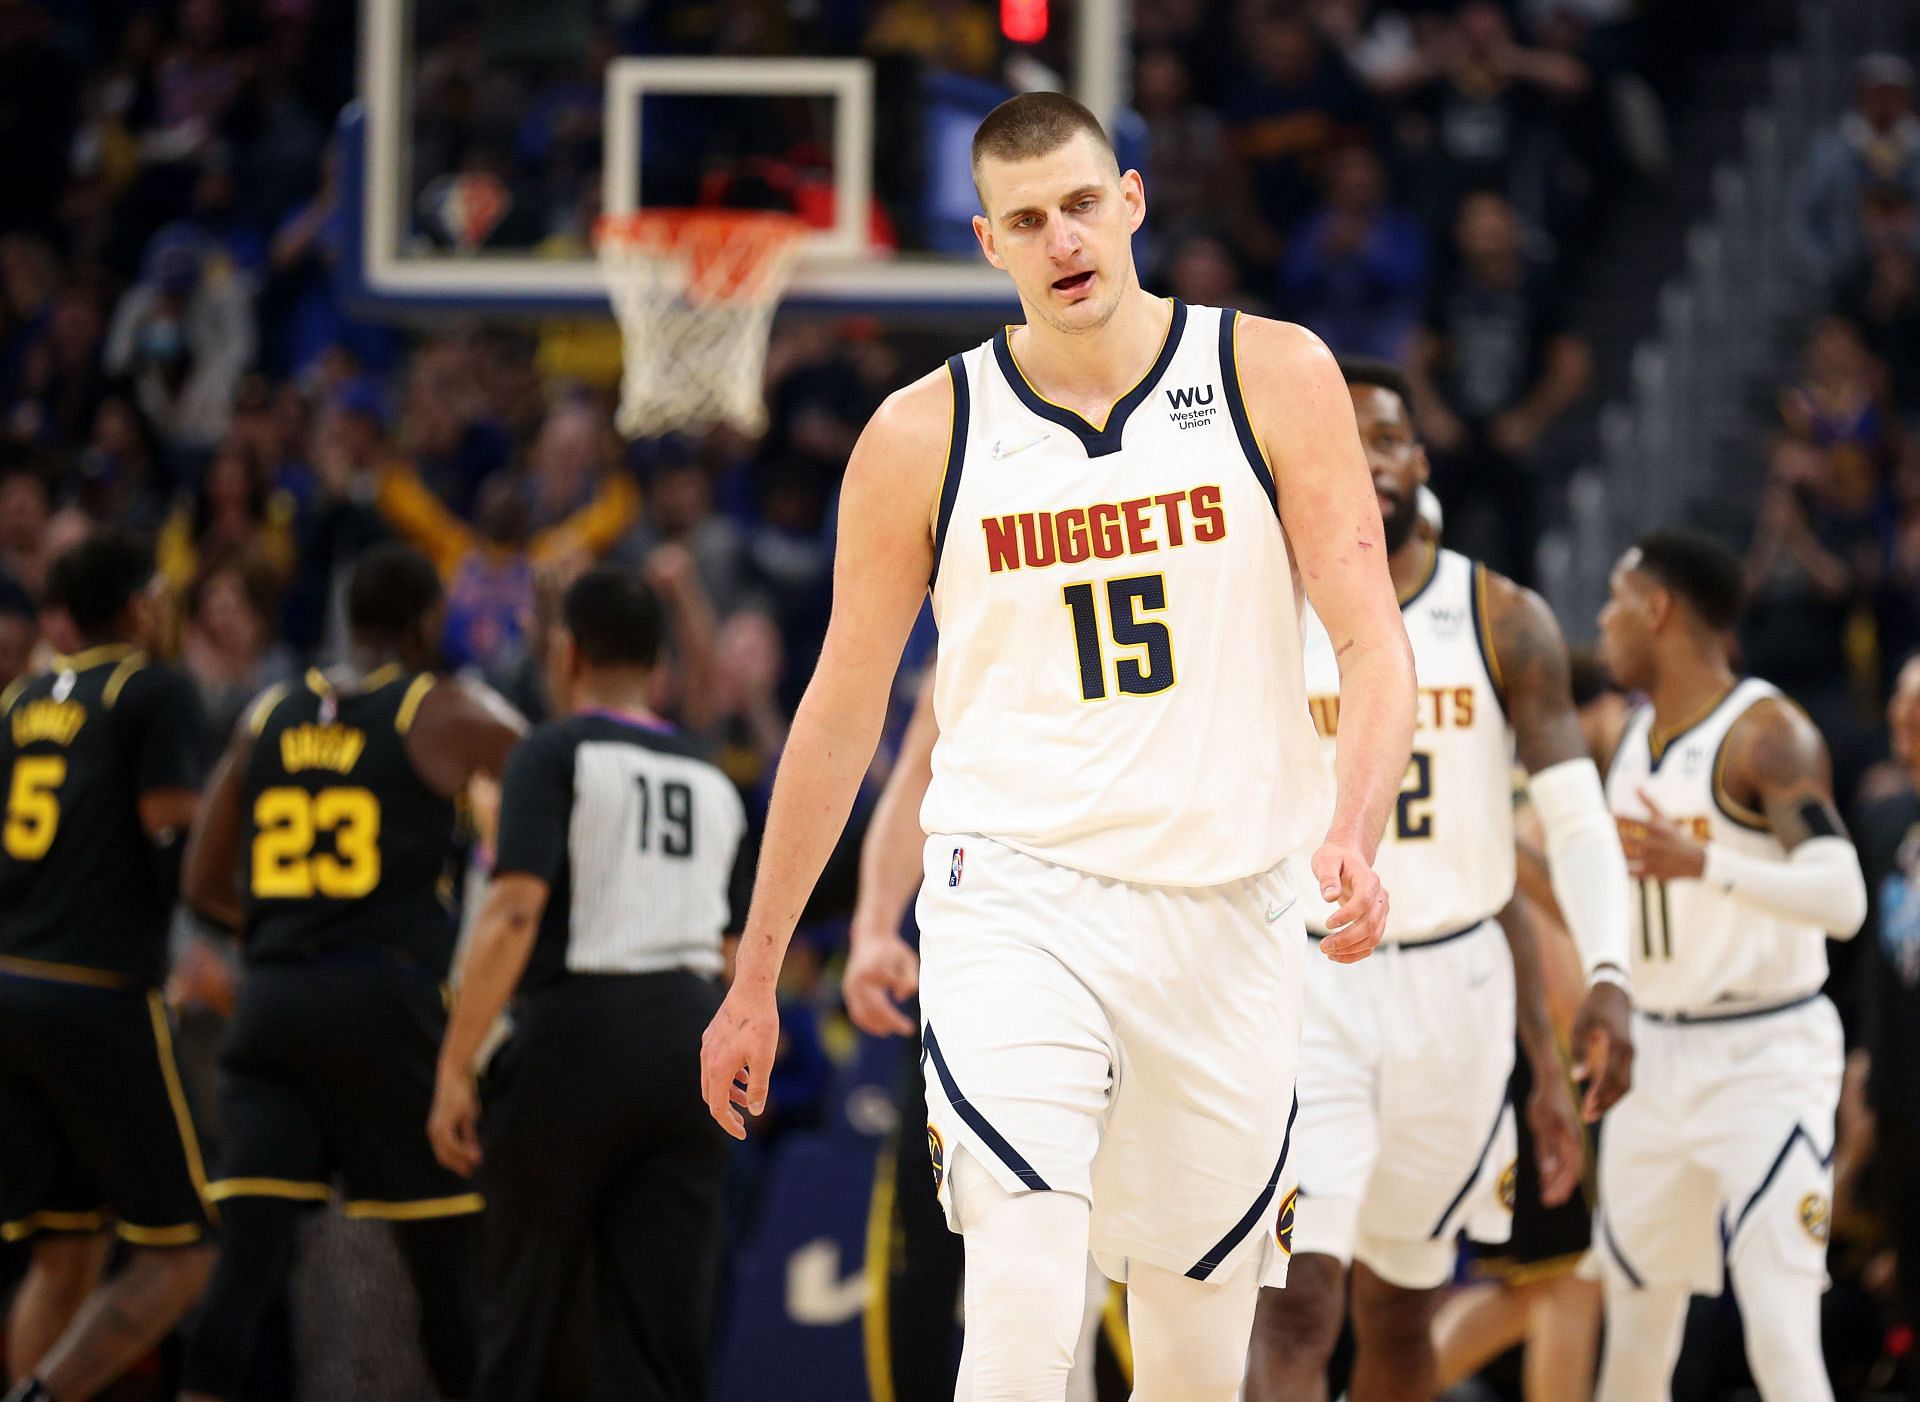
{"x":1405,"y":1061}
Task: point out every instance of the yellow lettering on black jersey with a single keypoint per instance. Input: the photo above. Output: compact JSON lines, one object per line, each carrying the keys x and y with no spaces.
{"x":335,"y":747}
{"x":58,"y":721}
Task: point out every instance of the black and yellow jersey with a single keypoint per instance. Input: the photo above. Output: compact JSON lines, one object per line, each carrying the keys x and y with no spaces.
{"x":346,"y":849}
{"x":82,"y":895}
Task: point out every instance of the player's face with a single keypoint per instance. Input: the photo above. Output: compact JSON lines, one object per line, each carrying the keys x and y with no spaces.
{"x":1061,"y":225}
{"x":1903,"y":715}
{"x":1626,"y":625}
{"x":1394,"y":457}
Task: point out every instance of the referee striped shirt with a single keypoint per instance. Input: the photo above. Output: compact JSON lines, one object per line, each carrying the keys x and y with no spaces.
{"x":640,"y":841}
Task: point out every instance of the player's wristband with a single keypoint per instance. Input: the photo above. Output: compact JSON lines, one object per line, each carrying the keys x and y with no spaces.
{"x":1613,"y":974}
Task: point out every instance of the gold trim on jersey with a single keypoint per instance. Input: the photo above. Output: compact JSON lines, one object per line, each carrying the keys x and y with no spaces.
{"x":1731,"y":808}
{"x":177,"y":1096}
{"x":22,"y":1228}
{"x":12,"y":693}
{"x":317,"y":682}
{"x":1106,"y":418}
{"x":264,"y":704}
{"x":410,"y":703}
{"x":1528,"y":1272}
{"x":1495,"y":674}
{"x":183,"y":1235}
{"x":62,"y":973}
{"x":129,"y":664}
{"x":379,"y":677}
{"x":1658,"y":744}
{"x":1426,"y":576}
{"x":91,"y":657}
{"x":289,"y":1188}
{"x":419,"y":1209}
{"x":876,"y":1340}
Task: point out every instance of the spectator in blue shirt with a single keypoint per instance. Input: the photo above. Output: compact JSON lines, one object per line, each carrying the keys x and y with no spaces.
{"x":1357,"y":271}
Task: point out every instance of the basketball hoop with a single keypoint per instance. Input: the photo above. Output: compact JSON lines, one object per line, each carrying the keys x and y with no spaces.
{"x":695,"y":291}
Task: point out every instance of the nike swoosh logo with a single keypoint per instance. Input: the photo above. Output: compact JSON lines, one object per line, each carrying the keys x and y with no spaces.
{"x":1003,"y":449}
{"x":1275,"y":912}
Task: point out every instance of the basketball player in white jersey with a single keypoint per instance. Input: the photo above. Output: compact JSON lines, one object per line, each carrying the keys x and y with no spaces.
{"x":1405,"y":1061}
{"x":1113,"y":503}
{"x":1717,"y":1162}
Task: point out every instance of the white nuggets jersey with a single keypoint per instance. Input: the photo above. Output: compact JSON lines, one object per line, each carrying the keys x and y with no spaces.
{"x":1118,"y":684}
{"x":1695,"y":948}
{"x":1446,"y":858}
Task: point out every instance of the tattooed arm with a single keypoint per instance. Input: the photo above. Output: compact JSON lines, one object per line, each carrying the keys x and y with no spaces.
{"x":1777,"y":776}
{"x":1528,"y":659}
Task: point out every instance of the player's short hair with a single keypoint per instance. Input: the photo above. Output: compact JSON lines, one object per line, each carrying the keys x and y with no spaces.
{"x":614,"y":617}
{"x":1696,"y":567}
{"x":1032,"y":124}
{"x":392,"y":589}
{"x":1381,"y":374}
{"x":1590,"y":677}
{"x":95,"y":580}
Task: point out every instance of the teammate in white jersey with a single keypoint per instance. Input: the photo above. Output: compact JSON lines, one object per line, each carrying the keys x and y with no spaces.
{"x":1717,"y":1162}
{"x":1111,"y":503}
{"x":1405,"y":1060}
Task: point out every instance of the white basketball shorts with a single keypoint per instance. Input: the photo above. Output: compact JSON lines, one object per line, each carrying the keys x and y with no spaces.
{"x":1404,"y":1125}
{"x":1725,"y":1141}
{"x":1133,"y":1045}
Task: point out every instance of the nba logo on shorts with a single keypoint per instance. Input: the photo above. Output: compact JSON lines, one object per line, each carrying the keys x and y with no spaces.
{"x":954,"y":867}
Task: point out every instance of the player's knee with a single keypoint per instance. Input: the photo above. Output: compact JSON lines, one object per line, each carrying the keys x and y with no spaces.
{"x":1303,"y":1320}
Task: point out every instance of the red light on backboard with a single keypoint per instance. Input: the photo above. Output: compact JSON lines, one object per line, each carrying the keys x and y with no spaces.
{"x":1023,"y":21}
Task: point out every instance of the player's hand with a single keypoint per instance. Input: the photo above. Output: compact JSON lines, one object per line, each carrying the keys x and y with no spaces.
{"x":736,"y":1055}
{"x":1657,"y":850}
{"x":1559,"y":1149}
{"x":882,"y":973}
{"x":453,"y":1125}
{"x":1360,"y":915}
{"x":1603,"y":1044}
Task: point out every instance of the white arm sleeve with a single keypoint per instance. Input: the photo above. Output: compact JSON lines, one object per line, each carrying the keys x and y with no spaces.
{"x":1819,"y":883}
{"x":1588,"y":868}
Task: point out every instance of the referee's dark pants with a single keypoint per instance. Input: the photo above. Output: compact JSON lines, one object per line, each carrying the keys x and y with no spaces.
{"x":604,"y":1178}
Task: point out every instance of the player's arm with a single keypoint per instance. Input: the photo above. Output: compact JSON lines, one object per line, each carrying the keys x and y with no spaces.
{"x":1549,"y":1109}
{"x":536,"y":807}
{"x":881,"y":568}
{"x":1303,"y":416}
{"x":461,"y":729}
{"x":210,"y":870}
{"x":503,"y":938}
{"x":882,"y":969}
{"x":1585,"y":865}
{"x":162,"y":710}
{"x":1777,"y":769}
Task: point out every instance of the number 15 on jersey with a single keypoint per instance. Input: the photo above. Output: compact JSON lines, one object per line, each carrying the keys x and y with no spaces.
{"x":1126,"y":601}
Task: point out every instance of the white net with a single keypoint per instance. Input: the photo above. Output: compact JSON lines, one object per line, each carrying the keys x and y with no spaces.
{"x":695,"y":291}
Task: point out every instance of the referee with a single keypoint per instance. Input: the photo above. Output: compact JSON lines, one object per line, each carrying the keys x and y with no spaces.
{"x":619,"y":871}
